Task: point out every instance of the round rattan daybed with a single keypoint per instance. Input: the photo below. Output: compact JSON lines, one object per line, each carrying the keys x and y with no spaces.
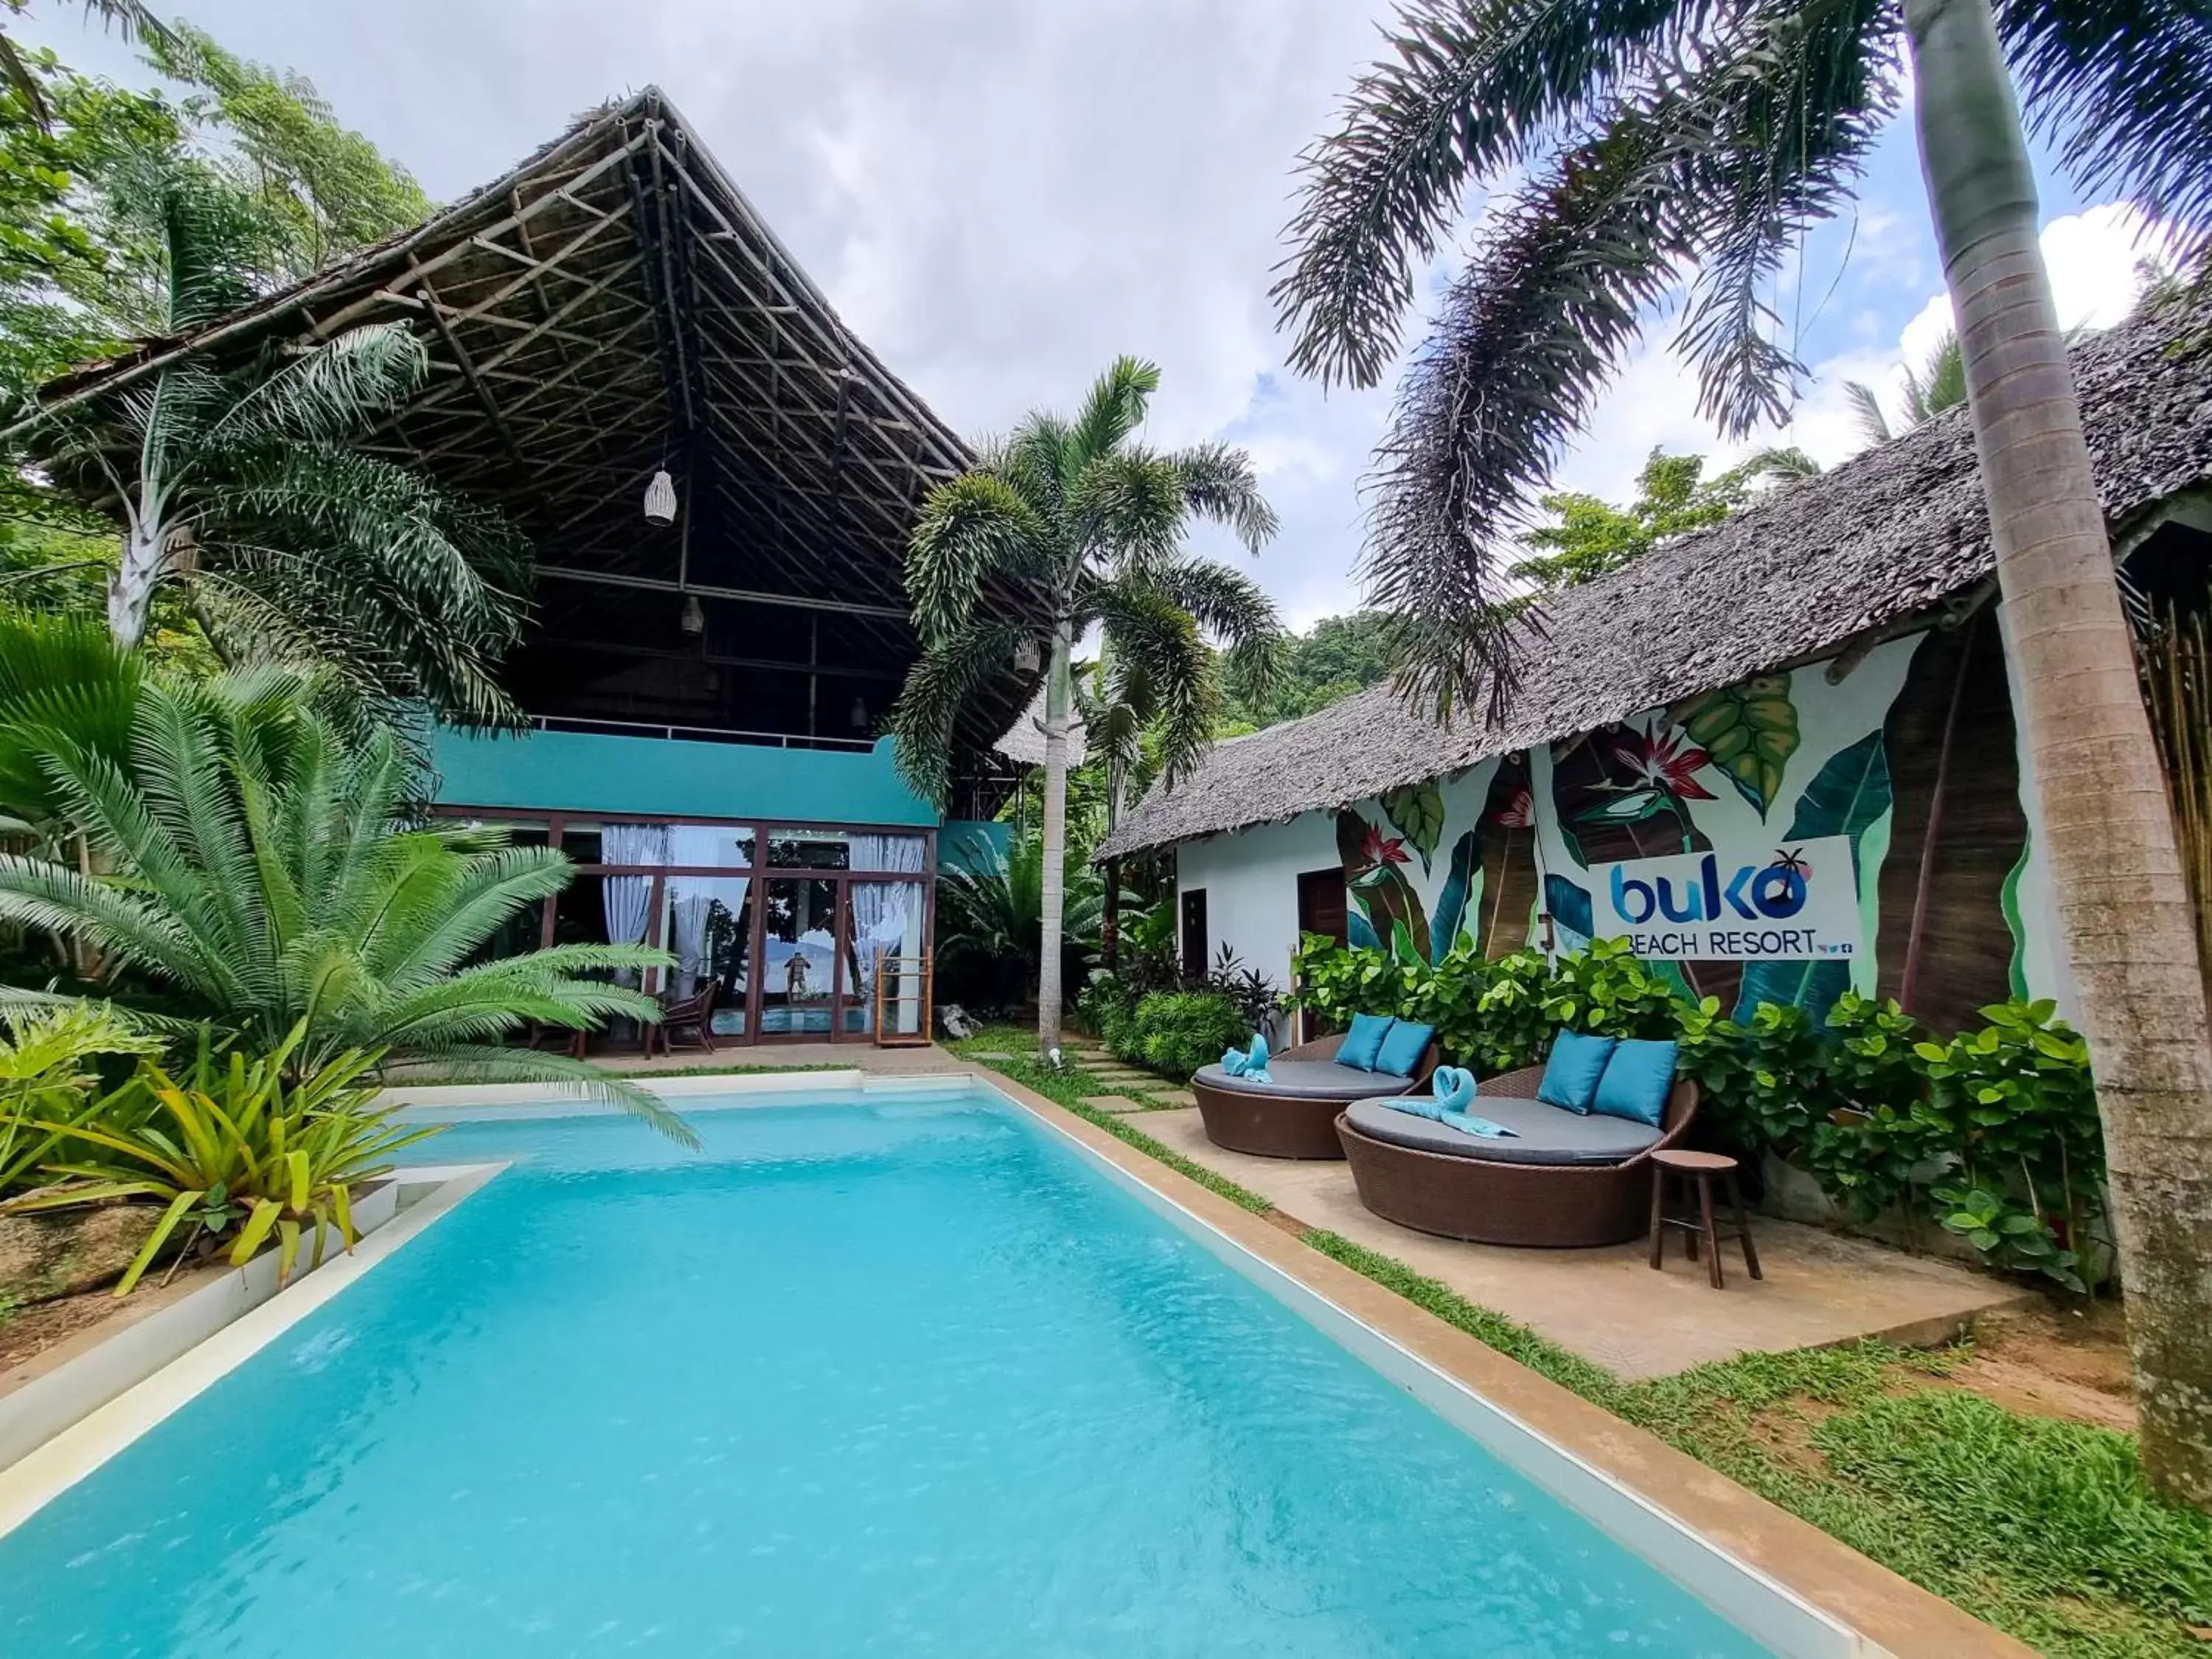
{"x":1294,"y":1117}
{"x":1588,"y":1183}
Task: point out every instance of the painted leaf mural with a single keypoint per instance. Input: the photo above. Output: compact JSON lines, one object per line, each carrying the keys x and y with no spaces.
{"x":1417,"y":812}
{"x":1379,"y":892}
{"x":1508,"y":891}
{"x":1451,"y":903}
{"x":1569,"y":904}
{"x":1749,"y":731}
{"x":1845,"y":796}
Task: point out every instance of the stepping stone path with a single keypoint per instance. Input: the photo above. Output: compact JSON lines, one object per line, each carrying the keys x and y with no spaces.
{"x":1175,"y":1096}
{"x":1113,"y":1103}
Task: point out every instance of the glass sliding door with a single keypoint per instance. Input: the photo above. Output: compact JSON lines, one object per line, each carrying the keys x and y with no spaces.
{"x":798,"y":967}
{"x":883,"y":936}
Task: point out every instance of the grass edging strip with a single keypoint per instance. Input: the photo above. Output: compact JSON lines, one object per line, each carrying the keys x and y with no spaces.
{"x":1915,"y":1508}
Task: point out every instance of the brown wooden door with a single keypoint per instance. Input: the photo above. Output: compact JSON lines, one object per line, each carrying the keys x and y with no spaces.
{"x":1320,"y":904}
{"x":1193,"y":933}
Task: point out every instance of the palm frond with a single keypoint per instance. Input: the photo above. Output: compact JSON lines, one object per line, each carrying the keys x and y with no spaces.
{"x":1218,"y":483}
{"x":972,"y":529}
{"x":1478,"y":86}
{"x":1111,"y":413}
{"x":1149,"y":629}
{"x":949,"y":674}
{"x":1547,"y":307}
{"x":1866,"y":410}
{"x":329,"y":394}
{"x":1127,"y":508}
{"x":2121,"y":90}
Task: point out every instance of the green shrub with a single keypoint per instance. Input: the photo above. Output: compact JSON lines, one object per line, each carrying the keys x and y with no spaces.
{"x":1176,"y":1032}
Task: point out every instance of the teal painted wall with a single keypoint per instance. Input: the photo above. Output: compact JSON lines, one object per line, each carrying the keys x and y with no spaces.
{"x":957,"y":845}
{"x":595,"y":772}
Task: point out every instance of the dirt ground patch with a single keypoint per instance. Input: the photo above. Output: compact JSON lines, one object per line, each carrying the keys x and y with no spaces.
{"x":26,"y":1333}
{"x":2054,"y":1361}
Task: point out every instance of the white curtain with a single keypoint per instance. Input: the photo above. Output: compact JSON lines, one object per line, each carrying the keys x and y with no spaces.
{"x":691,"y":896}
{"x":886,"y":915}
{"x":625,"y":899}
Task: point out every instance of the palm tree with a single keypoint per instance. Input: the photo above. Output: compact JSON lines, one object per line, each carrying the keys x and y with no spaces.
{"x":1091,"y":521}
{"x":1940,"y":383}
{"x":241,"y":485}
{"x":130,"y":18}
{"x":1634,"y":142}
{"x":263,"y":877}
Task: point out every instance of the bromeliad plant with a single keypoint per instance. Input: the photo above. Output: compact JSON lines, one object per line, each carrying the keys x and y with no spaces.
{"x":239,"y":1151}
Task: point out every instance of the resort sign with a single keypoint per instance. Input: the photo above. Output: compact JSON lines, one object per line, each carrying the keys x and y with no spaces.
{"x":1800,"y":905}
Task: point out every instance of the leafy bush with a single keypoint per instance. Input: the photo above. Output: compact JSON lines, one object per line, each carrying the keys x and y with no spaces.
{"x":1993,"y":1134}
{"x":1176,"y":1032}
{"x":232,"y":1147}
{"x":1251,"y":992}
{"x":46,"y":1076}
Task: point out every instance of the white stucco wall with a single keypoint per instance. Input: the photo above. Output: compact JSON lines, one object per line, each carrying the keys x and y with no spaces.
{"x":1251,"y":882}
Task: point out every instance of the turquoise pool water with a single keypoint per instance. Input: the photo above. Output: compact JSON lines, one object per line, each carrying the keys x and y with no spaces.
{"x":907,"y":1379}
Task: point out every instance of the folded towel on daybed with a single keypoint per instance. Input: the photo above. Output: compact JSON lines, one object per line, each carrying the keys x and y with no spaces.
{"x":1249,"y":1064}
{"x":1453,"y":1093}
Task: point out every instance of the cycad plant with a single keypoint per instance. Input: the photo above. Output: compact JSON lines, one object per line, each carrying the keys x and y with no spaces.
{"x":239,"y":483}
{"x":1090,"y":520}
{"x":990,"y":913}
{"x":1633,"y":145}
{"x":262,"y":876}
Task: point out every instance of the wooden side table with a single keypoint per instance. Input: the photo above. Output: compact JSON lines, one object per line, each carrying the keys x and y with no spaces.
{"x":1700,"y":1168}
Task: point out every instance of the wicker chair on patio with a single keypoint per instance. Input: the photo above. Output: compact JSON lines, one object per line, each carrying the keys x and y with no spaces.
{"x":1294,"y":1117}
{"x":1563,"y":1180}
{"x":694,"y":1014}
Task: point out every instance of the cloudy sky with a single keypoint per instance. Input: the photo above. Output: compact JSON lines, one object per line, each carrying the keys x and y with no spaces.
{"x":1001,"y":195}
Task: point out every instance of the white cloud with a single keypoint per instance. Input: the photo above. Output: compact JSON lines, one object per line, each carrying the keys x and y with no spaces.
{"x":2093,"y":256}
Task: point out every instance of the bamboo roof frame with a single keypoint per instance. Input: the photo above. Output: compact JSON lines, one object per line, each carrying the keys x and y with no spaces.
{"x":612,"y":306}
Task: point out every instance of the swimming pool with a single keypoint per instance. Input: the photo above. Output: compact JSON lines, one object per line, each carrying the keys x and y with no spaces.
{"x":904,"y":1377}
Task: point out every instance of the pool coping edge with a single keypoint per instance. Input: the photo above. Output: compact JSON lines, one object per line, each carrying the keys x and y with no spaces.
{"x":80,"y":1448}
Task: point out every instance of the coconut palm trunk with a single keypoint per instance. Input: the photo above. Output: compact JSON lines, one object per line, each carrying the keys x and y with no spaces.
{"x":2107,"y":826}
{"x":1058,"y":694}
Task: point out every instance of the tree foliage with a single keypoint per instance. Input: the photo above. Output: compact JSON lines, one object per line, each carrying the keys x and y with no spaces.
{"x":1591,"y":538}
{"x":1334,"y":657}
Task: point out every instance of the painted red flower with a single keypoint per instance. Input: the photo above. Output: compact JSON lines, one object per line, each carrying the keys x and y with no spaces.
{"x":1519,"y":812}
{"x":1379,"y":849}
{"x":1664,"y":761}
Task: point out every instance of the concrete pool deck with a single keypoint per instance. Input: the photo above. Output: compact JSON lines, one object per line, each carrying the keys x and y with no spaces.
{"x":1607,"y":1305}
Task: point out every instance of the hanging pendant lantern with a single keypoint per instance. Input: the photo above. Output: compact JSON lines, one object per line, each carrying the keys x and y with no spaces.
{"x":694,"y":619}
{"x":660,"y":499}
{"x":1025,"y":656}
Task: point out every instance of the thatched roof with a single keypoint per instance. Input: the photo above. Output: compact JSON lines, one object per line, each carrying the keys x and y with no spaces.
{"x":612,"y":306}
{"x":1793,"y":576}
{"x":1023,"y":743}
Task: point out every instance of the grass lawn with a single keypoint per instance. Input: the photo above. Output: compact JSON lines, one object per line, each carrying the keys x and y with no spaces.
{"x":2036,"y":1525}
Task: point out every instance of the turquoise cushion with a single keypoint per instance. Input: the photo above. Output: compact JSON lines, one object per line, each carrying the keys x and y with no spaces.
{"x":1363,"y":1042}
{"x":1570,"y":1076}
{"x":1401,"y":1048}
{"x":1635,"y":1083}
